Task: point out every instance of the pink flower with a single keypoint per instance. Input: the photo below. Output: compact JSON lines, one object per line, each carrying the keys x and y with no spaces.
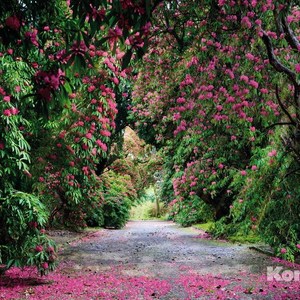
{"x":250,"y":56}
{"x":253,"y":83}
{"x":115,"y":80}
{"x":264,"y":91}
{"x":7,"y":113}
{"x":6,"y":99}
{"x":45,"y":265}
{"x":39,"y":248}
{"x":85,"y":170}
{"x":283,"y":250}
{"x":91,"y":88}
{"x":244,"y":78}
{"x":297,"y":68}
{"x":94,"y":151}
{"x":254,"y":168}
{"x":32,"y":37}
{"x":221,"y":166}
{"x":272,"y":153}
{"x":89,"y":135}
{"x":62,"y":134}
{"x":101,"y":145}
{"x":246,"y":22}
{"x":105,"y":132}
{"x":41,"y":179}
{"x":93,"y":101}
{"x":254,"y":3}
{"x":180,"y":100}
{"x":298,"y":246}
{"x":243,"y":172}
{"x":14,"y":111}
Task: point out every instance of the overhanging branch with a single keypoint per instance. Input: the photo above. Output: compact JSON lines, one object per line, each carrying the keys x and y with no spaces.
{"x":290,"y":35}
{"x":280,"y":124}
{"x":278,"y":66}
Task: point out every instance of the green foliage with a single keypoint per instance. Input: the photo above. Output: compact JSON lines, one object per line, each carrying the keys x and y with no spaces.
{"x":62,"y":79}
{"x":212,"y":93}
{"x":191,"y":211}
{"x":22,"y":237}
{"x":118,"y":196}
{"x":266,"y":203}
{"x":204,"y":226}
{"x":94,"y":217}
{"x":115,"y":213}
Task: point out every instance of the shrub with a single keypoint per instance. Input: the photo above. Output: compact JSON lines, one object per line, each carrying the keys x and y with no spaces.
{"x":115,"y":212}
{"x":22,"y":238}
{"x":95,"y":217}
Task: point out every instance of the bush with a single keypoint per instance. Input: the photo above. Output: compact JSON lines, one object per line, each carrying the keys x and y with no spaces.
{"x":95,"y":217}
{"x":115,"y":212}
{"x":22,"y":238}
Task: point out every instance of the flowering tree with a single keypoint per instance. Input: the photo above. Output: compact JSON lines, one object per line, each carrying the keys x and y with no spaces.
{"x":63,"y":88}
{"x":219,"y":93}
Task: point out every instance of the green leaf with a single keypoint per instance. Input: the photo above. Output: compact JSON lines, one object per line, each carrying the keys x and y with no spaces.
{"x":10,"y":263}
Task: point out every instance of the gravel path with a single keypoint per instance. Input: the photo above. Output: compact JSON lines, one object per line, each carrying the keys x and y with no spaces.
{"x":162,"y":249}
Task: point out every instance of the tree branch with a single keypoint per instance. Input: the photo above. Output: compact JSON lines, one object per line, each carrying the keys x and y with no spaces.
{"x":291,"y":172}
{"x":278,"y":66}
{"x":290,"y":35}
{"x":280,"y":123}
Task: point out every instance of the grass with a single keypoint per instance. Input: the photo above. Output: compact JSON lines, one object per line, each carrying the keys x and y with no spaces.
{"x":204,"y":226}
{"x":243,"y":239}
{"x":250,"y":238}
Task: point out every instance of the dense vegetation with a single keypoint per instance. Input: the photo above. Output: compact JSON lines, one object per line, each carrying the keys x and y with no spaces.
{"x":64,"y":92}
{"x":215,"y":87}
{"x":218,"y":93}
